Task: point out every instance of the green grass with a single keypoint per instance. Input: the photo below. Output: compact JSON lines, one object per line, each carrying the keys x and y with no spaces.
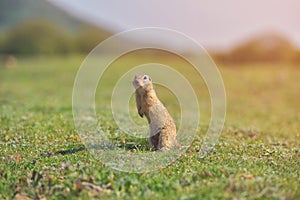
{"x":41,"y":153}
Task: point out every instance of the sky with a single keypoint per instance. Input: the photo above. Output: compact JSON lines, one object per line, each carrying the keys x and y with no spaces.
{"x":215,"y":24}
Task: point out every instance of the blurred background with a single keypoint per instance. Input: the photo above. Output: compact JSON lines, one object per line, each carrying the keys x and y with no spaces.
{"x":233,"y":31}
{"x":255,"y":44}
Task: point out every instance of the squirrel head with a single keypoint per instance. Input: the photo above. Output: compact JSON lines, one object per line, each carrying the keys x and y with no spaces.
{"x":141,"y":81}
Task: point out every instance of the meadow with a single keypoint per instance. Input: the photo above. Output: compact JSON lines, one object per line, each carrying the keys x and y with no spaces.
{"x":42,"y":156}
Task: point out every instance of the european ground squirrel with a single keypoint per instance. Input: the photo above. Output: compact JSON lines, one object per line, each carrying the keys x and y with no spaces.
{"x":161,"y":124}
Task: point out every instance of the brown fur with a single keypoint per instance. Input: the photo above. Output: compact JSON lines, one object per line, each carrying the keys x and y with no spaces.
{"x":161,"y":124}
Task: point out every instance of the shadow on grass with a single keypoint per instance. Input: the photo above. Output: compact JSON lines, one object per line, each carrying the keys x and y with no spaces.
{"x":130,"y":146}
{"x":70,"y":151}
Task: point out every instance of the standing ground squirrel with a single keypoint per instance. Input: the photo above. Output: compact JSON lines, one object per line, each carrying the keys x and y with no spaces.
{"x":161,"y":124}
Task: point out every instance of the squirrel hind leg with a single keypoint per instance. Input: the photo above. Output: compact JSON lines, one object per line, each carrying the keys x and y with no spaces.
{"x":164,"y":141}
{"x":154,"y":141}
{"x":167,"y":141}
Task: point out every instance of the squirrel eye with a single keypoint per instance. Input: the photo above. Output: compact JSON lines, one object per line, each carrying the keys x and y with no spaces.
{"x":145,"y":77}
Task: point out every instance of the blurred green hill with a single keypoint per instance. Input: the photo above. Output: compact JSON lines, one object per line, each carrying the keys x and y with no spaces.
{"x":15,"y":12}
{"x":30,"y":27}
{"x":38,"y":27}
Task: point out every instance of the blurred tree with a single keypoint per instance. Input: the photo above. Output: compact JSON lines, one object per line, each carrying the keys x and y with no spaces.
{"x":42,"y":37}
{"x":296,"y":57}
{"x":2,"y":43}
{"x":269,"y":48}
{"x":265,"y":48}
{"x":89,"y":38}
{"x":35,"y":37}
{"x":39,"y":27}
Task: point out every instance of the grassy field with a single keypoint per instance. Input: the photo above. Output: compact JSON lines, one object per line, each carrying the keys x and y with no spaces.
{"x":42,"y":156}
